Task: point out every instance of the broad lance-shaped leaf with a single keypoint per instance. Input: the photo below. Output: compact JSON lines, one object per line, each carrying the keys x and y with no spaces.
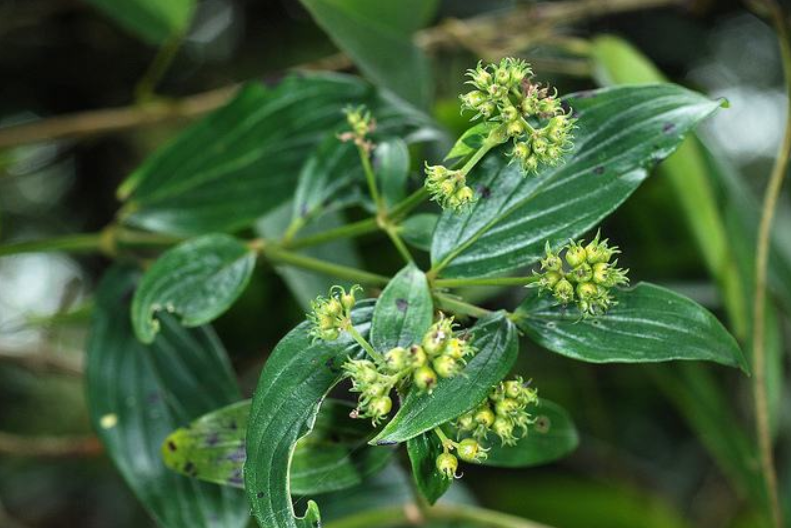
{"x":495,"y":338}
{"x":242,"y":160}
{"x":648,"y":324}
{"x":418,"y":230}
{"x":334,"y":456}
{"x":551,"y":437}
{"x":404,"y":311}
{"x":197,"y":280}
{"x":623,"y":132}
{"x":292,"y":387}
{"x":138,"y":394}
{"x":423,"y":451}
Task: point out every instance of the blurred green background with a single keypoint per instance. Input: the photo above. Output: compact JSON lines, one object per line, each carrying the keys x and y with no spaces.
{"x":661,"y":446}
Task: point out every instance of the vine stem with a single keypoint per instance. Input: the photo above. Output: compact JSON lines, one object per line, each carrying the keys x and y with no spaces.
{"x":460,"y":307}
{"x":370,"y":177}
{"x":771,"y":196}
{"x":49,"y":446}
{"x":485,"y":281}
{"x":80,"y":243}
{"x":407,"y":514}
{"x":144,"y":91}
{"x":276,"y":255}
{"x":376,"y":356}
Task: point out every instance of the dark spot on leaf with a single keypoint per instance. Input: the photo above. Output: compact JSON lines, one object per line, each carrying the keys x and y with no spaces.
{"x":153,"y":397}
{"x":484,"y":191}
{"x":668,"y":128}
{"x":238,"y":481}
{"x":543,"y":424}
{"x":232,"y":425}
{"x":386,"y":442}
{"x":599,"y":170}
{"x":171,"y":445}
{"x":213,"y":439}
{"x":330,"y":364}
{"x":260,"y":494}
{"x":402,"y":305}
{"x":238,"y":455}
{"x":190,"y":469}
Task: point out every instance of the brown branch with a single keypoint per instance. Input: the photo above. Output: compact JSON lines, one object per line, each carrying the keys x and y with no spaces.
{"x":49,"y":446}
{"x":42,"y":363}
{"x":486,"y":31}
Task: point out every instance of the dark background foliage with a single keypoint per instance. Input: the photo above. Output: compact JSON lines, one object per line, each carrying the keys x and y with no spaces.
{"x":639,"y":462}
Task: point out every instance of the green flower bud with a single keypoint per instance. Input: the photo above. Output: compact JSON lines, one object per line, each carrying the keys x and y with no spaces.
{"x":529,"y":106}
{"x":484,"y":416}
{"x":470,"y":450}
{"x":582,"y":273}
{"x":506,"y":407}
{"x":463,"y":196}
{"x":425,"y":379}
{"x":417,"y":356}
{"x":446,"y":366}
{"x":515,"y":128}
{"x":587,"y":291}
{"x":513,"y":389}
{"x":530,"y":165}
{"x":466,"y":422}
{"x":447,"y":464}
{"x":540,"y":146}
{"x":504,"y":428}
{"x":479,"y":77}
{"x":376,"y":390}
{"x":575,"y":255}
{"x":397,"y":359}
{"x":521,"y":151}
{"x":473,"y":99}
{"x":487,"y":109}
{"x":550,"y":279}
{"x":564,"y":291}
{"x":496,"y":90}
{"x":380,"y":407}
{"x":348,"y":300}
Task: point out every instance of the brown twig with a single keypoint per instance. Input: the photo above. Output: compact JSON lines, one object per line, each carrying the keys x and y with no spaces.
{"x":775,"y":13}
{"x":49,"y":446}
{"x":42,"y":363}
{"x":487,"y":31}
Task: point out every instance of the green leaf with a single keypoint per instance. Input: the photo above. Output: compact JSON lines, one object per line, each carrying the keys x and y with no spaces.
{"x":292,"y":387}
{"x":418,"y":230}
{"x":332,"y":457}
{"x":241,"y":161}
{"x":404,"y":311}
{"x":623,"y":132}
{"x":391,"y":162}
{"x":495,"y":338}
{"x":153,"y":21}
{"x":376,"y":35}
{"x":423,"y":451}
{"x":138,"y":394}
{"x":326,"y":181}
{"x":198,"y":279}
{"x":648,"y":324}
{"x":471,"y":140}
{"x":551,"y":437}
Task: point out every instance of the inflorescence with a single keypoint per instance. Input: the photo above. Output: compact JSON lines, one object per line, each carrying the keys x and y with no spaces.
{"x":362,"y":124}
{"x":584,"y":275}
{"x":331,"y":315}
{"x":441,"y":353}
{"x":533,"y":117}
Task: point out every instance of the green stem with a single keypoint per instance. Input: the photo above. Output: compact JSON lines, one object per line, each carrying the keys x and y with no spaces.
{"x":80,"y":243}
{"x":145,"y":88}
{"x":447,"y":443}
{"x":398,"y":243}
{"x":460,"y":307}
{"x":376,"y":356}
{"x":406,"y":206}
{"x":277,"y":255}
{"x":410,"y":514}
{"x":771,"y":196}
{"x":363,"y":227}
{"x":479,"y":154}
{"x":370,"y":177}
{"x":484,"y":281}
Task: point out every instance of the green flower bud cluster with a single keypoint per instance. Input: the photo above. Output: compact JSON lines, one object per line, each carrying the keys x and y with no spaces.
{"x":439,"y":354}
{"x":541,"y":130}
{"x":448,"y":187}
{"x":584,"y":275}
{"x":468,"y":450}
{"x":503,"y":412}
{"x":362,"y":124}
{"x":331,"y":315}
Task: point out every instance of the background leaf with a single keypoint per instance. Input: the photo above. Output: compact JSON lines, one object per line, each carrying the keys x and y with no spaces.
{"x":391,"y":163}
{"x":623,"y":132}
{"x":648,"y":324}
{"x":334,"y":456}
{"x":292,"y":387}
{"x":495,"y":338}
{"x":551,"y":437}
{"x":198,"y":280}
{"x":240,"y":162}
{"x":404,"y":311}
{"x":138,"y":394}
{"x":153,"y":21}
{"x":376,"y":35}
{"x":418,"y":230}
{"x":423,"y":452}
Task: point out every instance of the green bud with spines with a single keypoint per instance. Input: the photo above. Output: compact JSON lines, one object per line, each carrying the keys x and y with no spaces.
{"x":504,"y":428}
{"x":563,"y":291}
{"x":332,"y":314}
{"x":581,"y":273}
{"x":447,"y":464}
{"x":397,"y":359}
{"x":446,"y":366}
{"x":470,"y":450}
{"x":466,"y":422}
{"x":425,"y":379}
{"x":575,"y":255}
{"x":484,"y":416}
{"x":447,"y":187}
